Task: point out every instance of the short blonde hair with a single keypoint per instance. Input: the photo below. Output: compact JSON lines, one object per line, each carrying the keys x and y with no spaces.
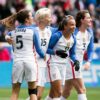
{"x":41,"y":13}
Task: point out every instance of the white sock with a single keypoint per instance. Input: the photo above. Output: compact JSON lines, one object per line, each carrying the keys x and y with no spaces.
{"x":62,"y":98}
{"x":48,"y":98}
{"x":56,"y":99}
{"x":82,"y":97}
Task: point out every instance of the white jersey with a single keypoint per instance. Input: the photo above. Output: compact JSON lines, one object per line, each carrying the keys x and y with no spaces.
{"x":62,"y":44}
{"x":44,"y":36}
{"x":57,"y":66}
{"x":23,"y":43}
{"x":24,"y":38}
{"x":82,"y":42}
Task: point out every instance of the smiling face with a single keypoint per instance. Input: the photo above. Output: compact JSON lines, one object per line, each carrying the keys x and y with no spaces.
{"x":70,"y":26}
{"x":83,"y":19}
{"x":87,"y":20}
{"x":43,"y":16}
{"x":47,"y":19}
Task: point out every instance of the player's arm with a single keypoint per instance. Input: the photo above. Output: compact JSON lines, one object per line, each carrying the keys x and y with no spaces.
{"x":89,"y":53}
{"x":37,"y":45}
{"x":53,"y":41}
{"x":72,"y":55}
{"x":9,"y":38}
{"x":90,"y":49}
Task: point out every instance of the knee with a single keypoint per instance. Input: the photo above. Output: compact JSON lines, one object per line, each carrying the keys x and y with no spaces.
{"x":66,"y":93}
{"x":59,"y":93}
{"x":81,"y":90}
{"x":39,"y":97}
{"x":32,"y":91}
{"x":56,"y":93}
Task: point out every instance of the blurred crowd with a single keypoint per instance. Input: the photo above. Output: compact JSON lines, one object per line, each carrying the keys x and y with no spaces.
{"x":59,"y":8}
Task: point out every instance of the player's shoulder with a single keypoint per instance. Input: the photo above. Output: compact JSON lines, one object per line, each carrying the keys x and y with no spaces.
{"x":58,"y":34}
{"x":75,"y":31}
{"x":25,"y":27}
{"x":52,"y":29}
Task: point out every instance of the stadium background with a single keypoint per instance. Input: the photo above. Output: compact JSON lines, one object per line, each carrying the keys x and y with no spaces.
{"x":59,"y":9}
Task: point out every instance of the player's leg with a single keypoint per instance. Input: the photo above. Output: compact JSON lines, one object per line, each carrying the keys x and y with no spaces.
{"x":32,"y":90}
{"x":31,"y":78}
{"x":56,"y":89}
{"x":80,"y":88}
{"x":56,"y":82}
{"x":41,"y":81}
{"x":15,"y":91}
{"x":17,"y":77}
{"x":67,"y":89}
{"x":70,"y":75}
{"x":40,"y":92}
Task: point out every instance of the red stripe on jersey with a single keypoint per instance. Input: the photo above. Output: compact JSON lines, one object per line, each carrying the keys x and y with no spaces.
{"x":36,"y":63}
{"x":73,"y":71}
{"x":48,"y":62}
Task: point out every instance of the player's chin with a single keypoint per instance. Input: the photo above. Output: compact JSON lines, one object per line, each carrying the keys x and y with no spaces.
{"x":72,"y":30}
{"x":89,"y":24}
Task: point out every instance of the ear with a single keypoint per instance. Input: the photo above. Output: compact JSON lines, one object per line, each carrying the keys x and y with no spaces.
{"x":82,"y":20}
{"x":64,"y":28}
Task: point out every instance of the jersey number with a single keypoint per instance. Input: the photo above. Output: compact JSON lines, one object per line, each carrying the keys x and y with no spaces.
{"x":19,"y":41}
{"x":84,"y":46}
{"x":43,"y":42}
{"x":66,"y":48}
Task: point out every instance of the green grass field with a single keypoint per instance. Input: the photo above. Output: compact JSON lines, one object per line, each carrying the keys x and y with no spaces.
{"x":92,"y":94}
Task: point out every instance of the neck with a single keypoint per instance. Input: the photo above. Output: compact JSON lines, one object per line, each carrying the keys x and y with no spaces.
{"x":67,"y":35}
{"x":82,"y":28}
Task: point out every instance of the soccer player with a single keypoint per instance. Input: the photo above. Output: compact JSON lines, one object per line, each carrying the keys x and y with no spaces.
{"x":61,"y":45}
{"x":23,"y":39}
{"x":43,"y":19}
{"x":84,"y":43}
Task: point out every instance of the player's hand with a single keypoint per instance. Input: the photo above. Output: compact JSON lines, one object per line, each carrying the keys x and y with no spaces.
{"x":9,"y":40}
{"x":61,"y":53}
{"x":86,"y":65}
{"x":77,"y":65}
